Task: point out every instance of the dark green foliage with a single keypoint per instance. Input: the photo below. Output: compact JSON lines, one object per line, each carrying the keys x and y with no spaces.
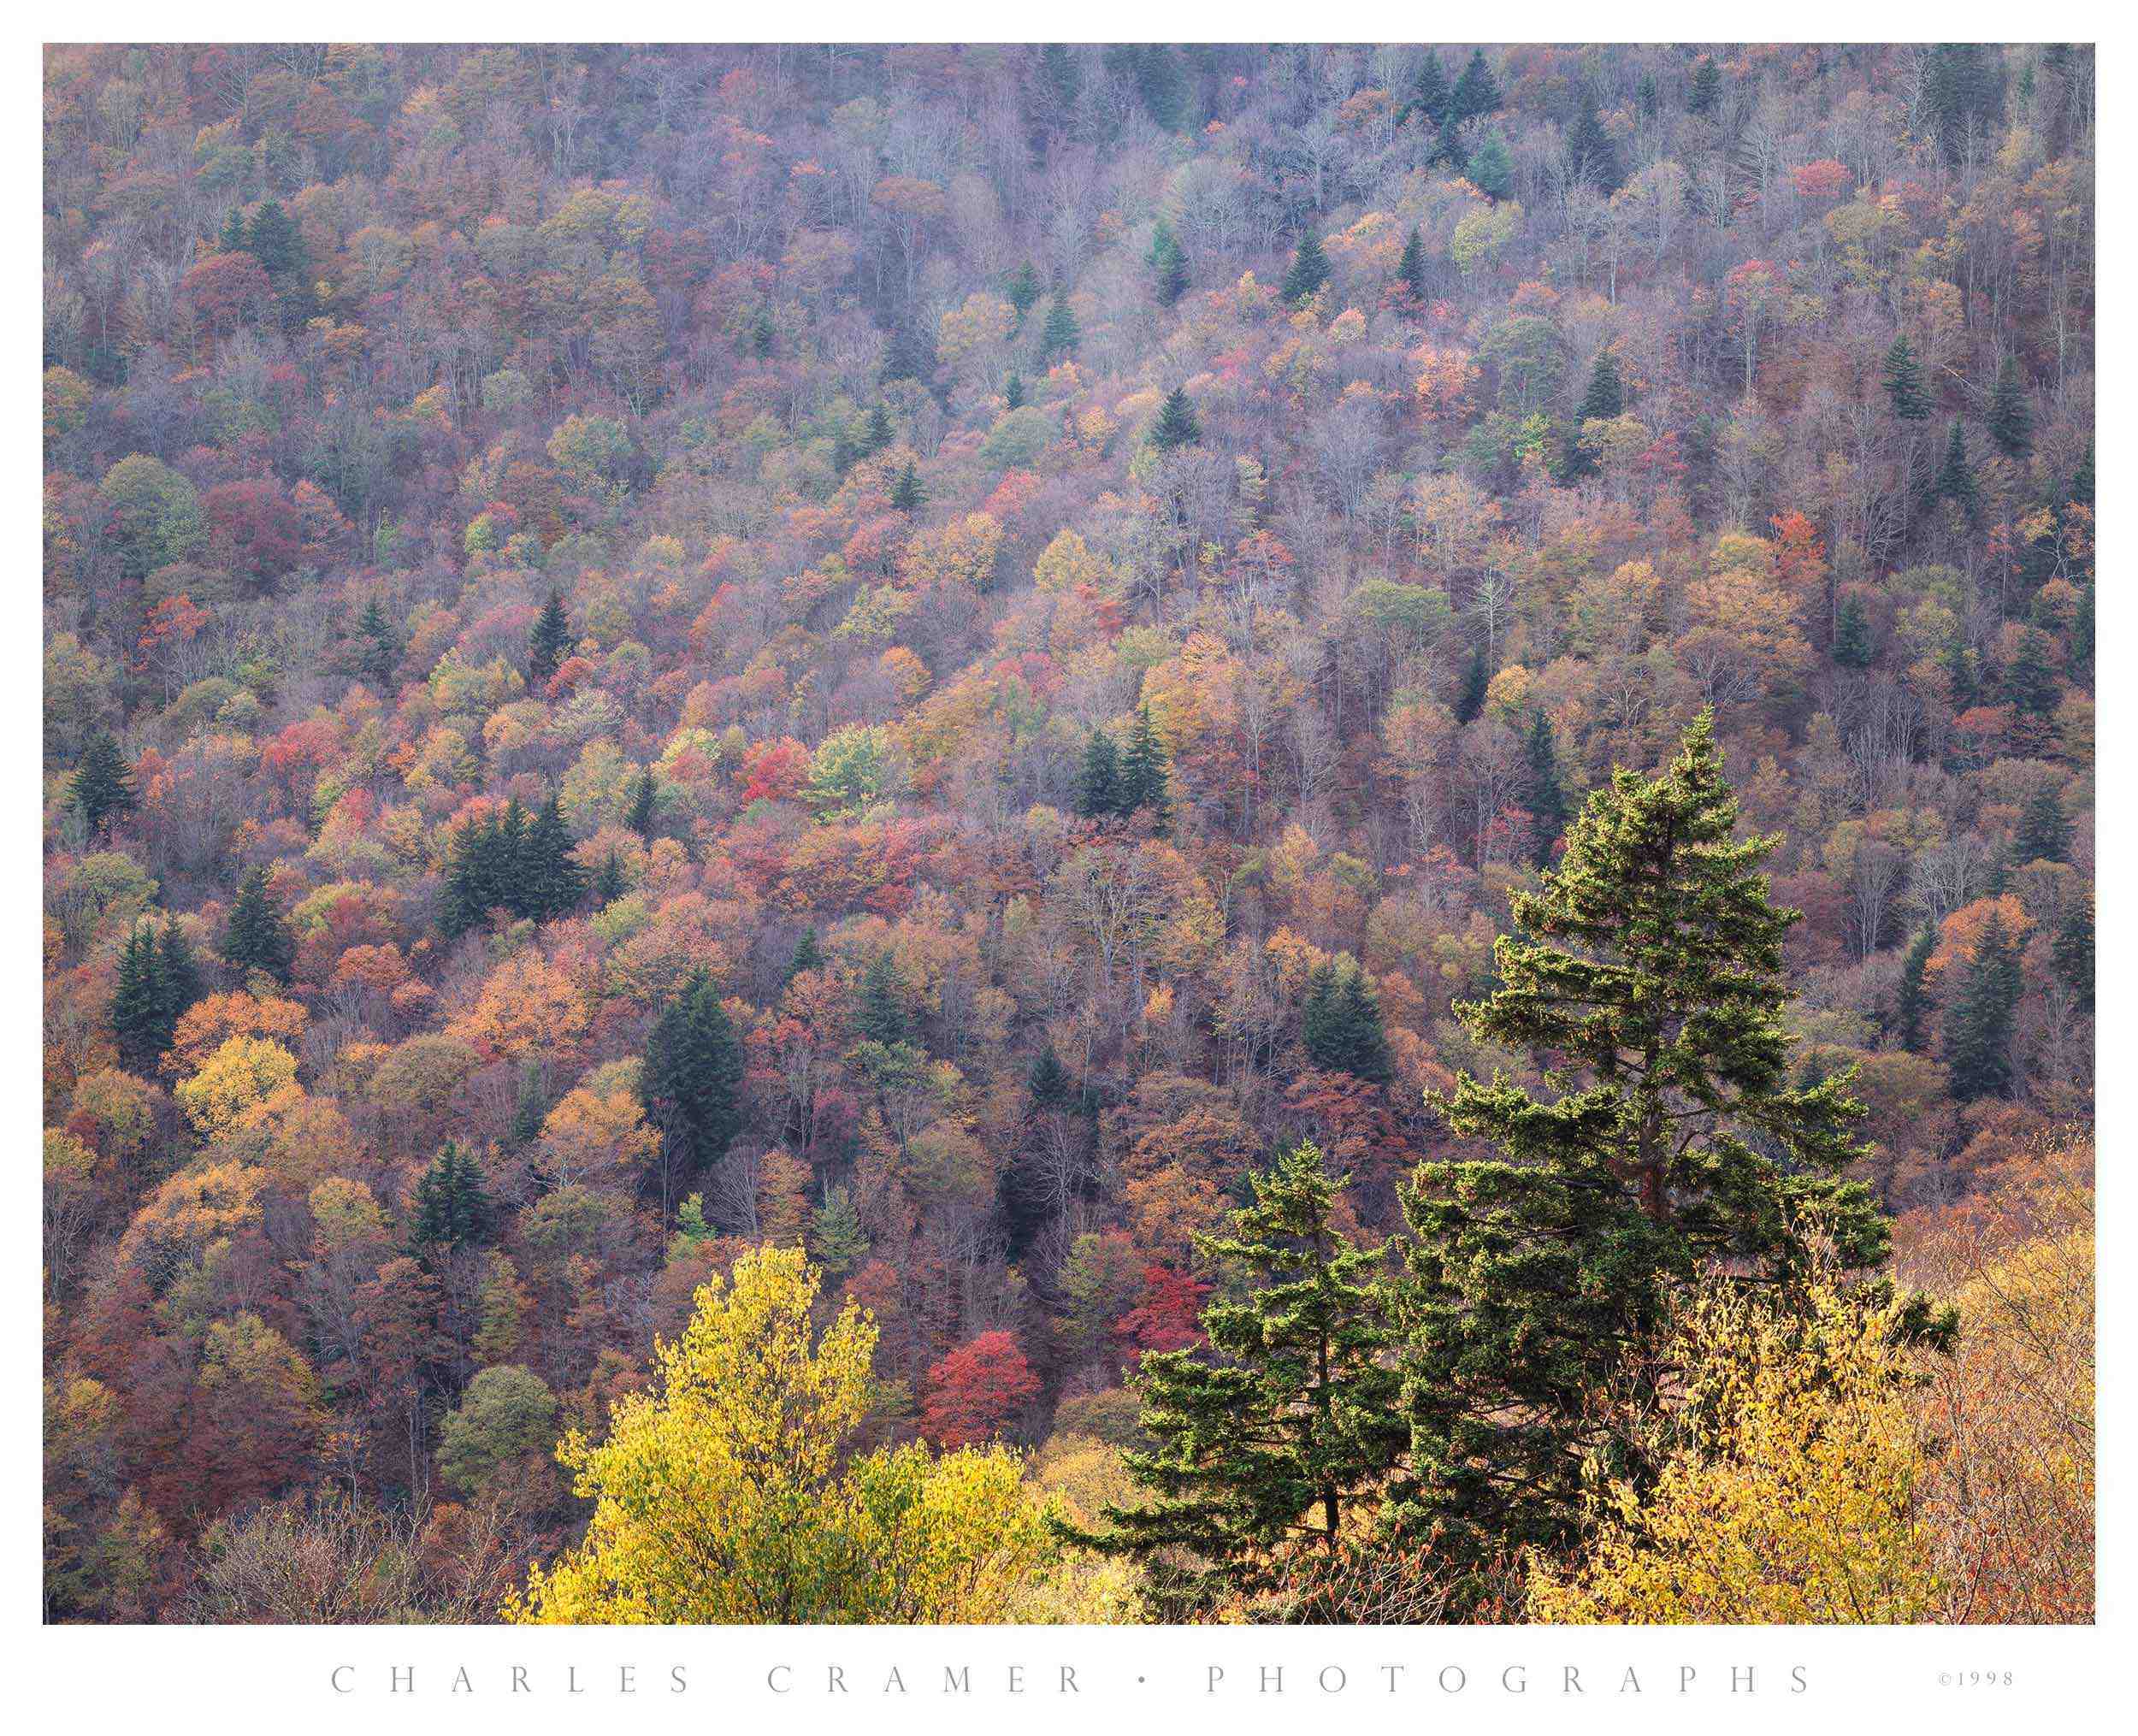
{"x":1430,"y":95}
{"x":273,"y":239}
{"x":548,"y":641}
{"x":1049,"y":1083}
{"x":1099,"y":779}
{"x":1955,"y":482}
{"x":1169,"y":263}
{"x":1476,"y":92}
{"x":552,"y":884}
{"x":530,"y":1110}
{"x":836,"y":1239}
{"x":258,"y":938}
{"x":1308,"y":271}
{"x":2030,"y":684}
{"x":1963,"y":96}
{"x":382,"y":653}
{"x":1476,"y":682}
{"x":1590,"y":155}
{"x":1704,"y":91}
{"x":2045,"y":830}
{"x":1647,"y":973}
{"x":908,"y":496}
{"x":1489,"y":169}
{"x":609,"y":885}
{"x":231,"y":238}
{"x":2082,"y":479}
{"x":1340,"y":1027}
{"x":1852,"y":647}
{"x":1013,"y":393}
{"x":1911,"y":1006}
{"x":178,"y":984}
{"x":692,"y":1084}
{"x":807,"y":956}
{"x":2010,"y":421}
{"x":1546,"y":795}
{"x":1904,"y":382}
{"x":1023,"y":290}
{"x":880,"y":1013}
{"x":877,"y":433}
{"x":103,"y":787}
{"x":2071,"y":953}
{"x":1177,"y":426}
{"x":2078,"y":661}
{"x":452,"y":1210}
{"x":645,"y":807}
{"x":1266,"y":1440}
{"x":1060,"y":335}
{"x":512,"y":865}
{"x":1410,"y":269}
{"x":761,"y":333}
{"x":1605,"y":398}
{"x":1155,"y":69}
{"x":1978,"y":1029}
{"x":1146,"y":774}
{"x":136,"y":1005}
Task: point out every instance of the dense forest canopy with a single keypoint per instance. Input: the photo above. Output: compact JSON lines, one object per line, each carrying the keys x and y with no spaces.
{"x":935,"y":655}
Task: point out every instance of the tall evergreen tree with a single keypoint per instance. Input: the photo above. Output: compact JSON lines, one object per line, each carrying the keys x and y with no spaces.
{"x":808,"y":955}
{"x":2044,"y":832}
{"x":1430,"y":95}
{"x":1340,"y":1027}
{"x":137,"y":1003}
{"x":1704,"y":91}
{"x":102,"y":787}
{"x":2011,"y":422}
{"x":1308,"y":271}
{"x":2082,"y":478}
{"x":1023,"y":290}
{"x":1476,"y":92}
{"x":1852,"y":647}
{"x":1911,"y":1008}
{"x":907,"y":495}
{"x":1605,"y":398}
{"x":1547,"y":795}
{"x":609,"y":885}
{"x":258,"y":938}
{"x":547,"y":642}
{"x":1490,"y":169}
{"x":1410,"y":269}
{"x":1060,"y":335}
{"x":1048,"y":1084}
{"x":1955,"y":482}
{"x":1169,"y":264}
{"x":1469,"y":700}
{"x":475,"y":874}
{"x":178,"y":982}
{"x":1099,"y":778}
{"x":552,"y":883}
{"x":1647,"y":974}
{"x":1903,"y":383}
{"x":1176,"y":425}
{"x":880,"y":1012}
{"x":452,"y":1209}
{"x":382,"y":653}
{"x":1013,"y":391}
{"x":1147,"y":773}
{"x":645,"y":806}
{"x":692,"y":1082}
{"x":2071,"y":953}
{"x":1266,"y":1440}
{"x":877,"y":432}
{"x":1978,"y":1029}
{"x":2030,"y":683}
{"x":836,"y":1238}
{"x":273,"y":239}
{"x":1590,"y":155}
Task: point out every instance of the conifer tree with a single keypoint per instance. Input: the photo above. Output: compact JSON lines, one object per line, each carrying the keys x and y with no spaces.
{"x":2044,"y":832}
{"x":2071,"y":953}
{"x":1647,"y":974}
{"x":137,"y":1003}
{"x":1547,"y":795}
{"x":1048,"y":1084}
{"x":547,"y":642}
{"x":1955,"y":482}
{"x":1023,"y":290}
{"x":1903,"y":383}
{"x":452,"y":1209}
{"x":1912,"y":1006}
{"x":1704,"y":92}
{"x":1099,"y":780}
{"x":273,"y":239}
{"x":880,"y":1014}
{"x":231,"y":238}
{"x":2029,"y":685}
{"x":102,"y":787}
{"x":1476,"y":92}
{"x":552,"y":883}
{"x":258,"y":938}
{"x":381,"y":656}
{"x":1476,"y":683}
{"x":1308,"y":271}
{"x":1169,"y":263}
{"x":645,"y":807}
{"x":691,"y":1083}
{"x":609,"y":885}
{"x":178,"y":984}
{"x":877,"y":433}
{"x":1147,"y":774}
{"x":1430,"y":95}
{"x":1410,"y":269}
{"x":1978,"y":1029}
{"x":836,"y":1239}
{"x":1340,"y":1027}
{"x":1590,"y":155}
{"x":1013,"y":391}
{"x":1060,"y":336}
{"x":807,"y":955}
{"x":1490,"y":169}
{"x":908,"y":496}
{"x":1177,"y":426}
{"x":474,"y":879}
{"x":1853,"y":647}
{"x":2011,"y":422}
{"x":1265,"y":1441}
{"x":2082,"y":479}
{"x":1605,"y":398}
{"x":2078,"y":662}
{"x":761,"y":333}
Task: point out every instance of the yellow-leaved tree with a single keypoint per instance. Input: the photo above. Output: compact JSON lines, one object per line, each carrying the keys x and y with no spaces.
{"x":1791,"y":1491}
{"x":728,"y":1496}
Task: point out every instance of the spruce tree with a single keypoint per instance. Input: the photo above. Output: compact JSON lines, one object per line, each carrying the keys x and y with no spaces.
{"x":1308,"y":271}
{"x":609,"y":885}
{"x":1955,"y":482}
{"x":2071,"y":953}
{"x":1590,"y":155}
{"x":1177,"y":426}
{"x":1023,"y":290}
{"x":1476,"y":92}
{"x":1286,"y":1423}
{"x":552,"y":884}
{"x":1060,"y":336}
{"x":1171,"y":265}
{"x":474,"y":879}
{"x":2082,"y":479}
{"x":1430,"y":95}
{"x":692,"y":1082}
{"x":1048,"y":1084}
{"x":836,"y":1239}
{"x":1340,"y":1027}
{"x":273,"y":239}
{"x":178,"y":982}
{"x":761,"y":333}
{"x":1099,"y":778}
{"x":1547,"y":795}
{"x":645,"y":807}
{"x":1147,"y":774}
{"x":1489,"y":169}
{"x":452,"y":1210}
{"x":1605,"y":398}
{"x":1853,"y":647}
{"x":2045,"y":831}
{"x":1013,"y":391}
{"x":2011,"y":422}
{"x":2078,"y":661}
{"x":880,"y":1013}
{"x":1903,"y":383}
{"x":908,"y":496}
{"x":1704,"y":91}
{"x":258,"y":938}
{"x":231,"y":238}
{"x":1476,"y":683}
{"x":102,"y":787}
{"x":877,"y":433}
{"x":2030,"y":684}
{"x":1410,"y":269}
{"x":136,"y":1003}
{"x":380,"y":656}
{"x":546,"y":644}
{"x":1912,"y":1006}
{"x":1647,"y":975}
{"x":807,"y":955}
{"x":1978,"y":1029}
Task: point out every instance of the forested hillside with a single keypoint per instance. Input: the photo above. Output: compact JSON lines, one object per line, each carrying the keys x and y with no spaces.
{"x":939,"y":656}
